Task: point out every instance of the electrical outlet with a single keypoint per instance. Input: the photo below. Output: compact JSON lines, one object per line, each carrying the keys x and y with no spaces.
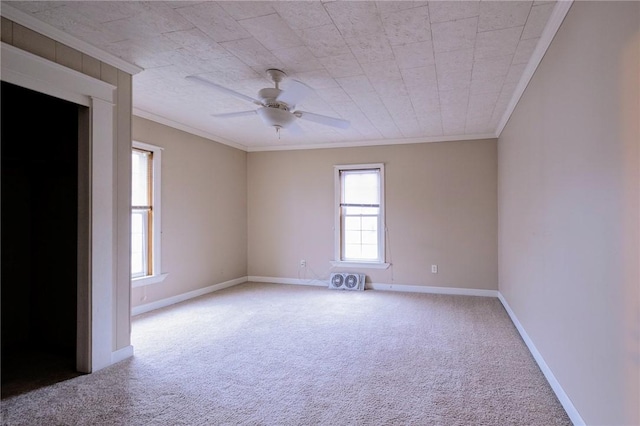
{"x":434,"y":269}
{"x":303,"y":263}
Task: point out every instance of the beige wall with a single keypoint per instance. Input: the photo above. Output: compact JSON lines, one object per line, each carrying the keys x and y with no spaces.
{"x":38,"y":44}
{"x":568,"y":208}
{"x":441,"y":208}
{"x":204,"y":211}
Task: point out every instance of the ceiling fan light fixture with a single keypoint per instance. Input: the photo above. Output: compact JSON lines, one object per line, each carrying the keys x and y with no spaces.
{"x":276,"y":117}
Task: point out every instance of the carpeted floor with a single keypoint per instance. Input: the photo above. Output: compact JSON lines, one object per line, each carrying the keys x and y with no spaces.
{"x":293,"y":355}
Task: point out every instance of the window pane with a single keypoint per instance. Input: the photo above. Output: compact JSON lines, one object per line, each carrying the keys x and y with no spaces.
{"x":370,"y":252}
{"x":370,"y":223}
{"x":352,"y":237}
{"x":352,"y":251}
{"x":361,"y":210}
{"x":352,"y":223}
{"x":140,"y":178}
{"x":370,"y":237}
{"x":139,"y":241}
{"x":361,"y":187}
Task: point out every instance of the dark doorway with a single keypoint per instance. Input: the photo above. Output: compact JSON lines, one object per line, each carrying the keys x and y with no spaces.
{"x":39,"y":229}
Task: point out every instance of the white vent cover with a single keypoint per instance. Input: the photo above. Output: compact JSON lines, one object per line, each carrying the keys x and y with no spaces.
{"x":346,"y":281}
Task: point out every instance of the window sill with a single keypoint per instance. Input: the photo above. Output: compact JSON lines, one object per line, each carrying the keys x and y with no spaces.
{"x":365,"y":265}
{"x":152,"y":279}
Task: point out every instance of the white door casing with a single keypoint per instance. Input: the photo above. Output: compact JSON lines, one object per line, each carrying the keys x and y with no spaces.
{"x":95,"y":326}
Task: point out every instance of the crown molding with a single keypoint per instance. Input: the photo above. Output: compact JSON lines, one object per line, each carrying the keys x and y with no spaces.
{"x":376,"y":142}
{"x":215,"y":138}
{"x":185,"y":128}
{"x":555,"y":20}
{"x":58,"y":35}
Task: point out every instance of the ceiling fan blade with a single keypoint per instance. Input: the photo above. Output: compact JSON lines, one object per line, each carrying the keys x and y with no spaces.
{"x":295,"y":129}
{"x":222,"y":89}
{"x":323,"y":119}
{"x":236,"y":114}
{"x":294,"y":92}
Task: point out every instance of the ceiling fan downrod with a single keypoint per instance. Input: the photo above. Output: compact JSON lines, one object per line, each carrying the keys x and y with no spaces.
{"x":276,"y":76}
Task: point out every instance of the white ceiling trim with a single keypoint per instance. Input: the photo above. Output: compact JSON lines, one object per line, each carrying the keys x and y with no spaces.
{"x":43,"y":28}
{"x":555,"y":20}
{"x":185,"y":128}
{"x":215,"y":138}
{"x":376,"y":142}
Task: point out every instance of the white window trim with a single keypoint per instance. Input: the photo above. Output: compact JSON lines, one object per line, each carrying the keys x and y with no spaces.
{"x":337,"y":225}
{"x":365,"y":265}
{"x":157,"y":276}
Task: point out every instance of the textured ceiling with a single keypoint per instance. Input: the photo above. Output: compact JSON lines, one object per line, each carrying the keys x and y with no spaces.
{"x":397,"y":70}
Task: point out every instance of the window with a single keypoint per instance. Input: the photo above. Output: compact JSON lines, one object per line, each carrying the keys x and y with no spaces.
{"x":141,"y":213}
{"x":360,"y":226}
{"x":145,"y":214}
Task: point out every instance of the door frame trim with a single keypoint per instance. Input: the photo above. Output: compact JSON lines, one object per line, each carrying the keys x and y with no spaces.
{"x":96,"y":242}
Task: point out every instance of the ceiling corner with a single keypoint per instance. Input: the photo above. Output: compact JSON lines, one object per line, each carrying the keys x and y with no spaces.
{"x":553,"y":25}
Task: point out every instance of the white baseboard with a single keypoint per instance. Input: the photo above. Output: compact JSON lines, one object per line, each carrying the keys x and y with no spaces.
{"x":141,"y":309}
{"x":571,"y":410}
{"x":121,"y":354}
{"x":433,"y":290}
{"x":384,"y":287}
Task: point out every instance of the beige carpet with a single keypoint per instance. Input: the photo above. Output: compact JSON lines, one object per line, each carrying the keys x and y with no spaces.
{"x":293,"y":355}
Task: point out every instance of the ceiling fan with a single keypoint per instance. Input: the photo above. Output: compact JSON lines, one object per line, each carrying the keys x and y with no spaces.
{"x":277,"y":106}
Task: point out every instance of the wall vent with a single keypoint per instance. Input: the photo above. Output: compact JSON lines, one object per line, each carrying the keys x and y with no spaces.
{"x":346,"y":281}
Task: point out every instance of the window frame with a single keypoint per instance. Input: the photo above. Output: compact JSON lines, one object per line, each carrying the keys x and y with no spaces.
{"x":380,"y":263}
{"x":156,"y":229}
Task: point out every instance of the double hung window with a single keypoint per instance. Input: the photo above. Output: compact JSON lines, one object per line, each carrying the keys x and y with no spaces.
{"x":360,"y":228}
{"x":141,"y":213}
{"x":145,"y":214}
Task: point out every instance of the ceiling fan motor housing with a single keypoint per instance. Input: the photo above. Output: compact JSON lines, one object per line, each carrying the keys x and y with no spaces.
{"x":269,"y":94}
{"x":276,"y":117}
